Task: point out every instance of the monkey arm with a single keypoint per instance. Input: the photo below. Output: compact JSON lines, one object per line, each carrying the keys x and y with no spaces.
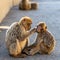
{"x":38,"y":40}
{"x":49,"y":42}
{"x":36,"y":47}
{"x":28,"y":33}
{"x":34,"y":50}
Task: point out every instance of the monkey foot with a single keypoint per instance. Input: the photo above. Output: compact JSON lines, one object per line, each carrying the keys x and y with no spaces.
{"x":19,"y":55}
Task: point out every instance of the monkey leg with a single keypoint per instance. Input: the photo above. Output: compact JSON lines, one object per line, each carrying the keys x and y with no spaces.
{"x":34,"y":5}
{"x":27,"y":49}
{"x":22,"y":55}
{"x":34,"y":50}
{"x":15,"y":48}
{"x":43,"y":49}
{"x":16,"y":52}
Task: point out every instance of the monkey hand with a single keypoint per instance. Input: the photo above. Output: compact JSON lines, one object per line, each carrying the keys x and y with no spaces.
{"x":38,"y":29}
{"x":33,"y":30}
{"x":31,"y":52}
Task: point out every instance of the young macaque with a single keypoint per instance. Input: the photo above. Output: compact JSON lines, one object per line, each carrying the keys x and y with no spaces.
{"x":44,"y":43}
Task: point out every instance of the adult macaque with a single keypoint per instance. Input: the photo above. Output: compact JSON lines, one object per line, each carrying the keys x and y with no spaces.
{"x":17,"y":36}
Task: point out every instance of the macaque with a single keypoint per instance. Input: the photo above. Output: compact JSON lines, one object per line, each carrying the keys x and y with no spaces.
{"x":45,"y":42}
{"x":27,"y":5}
{"x":34,"y":5}
{"x":24,"y":5}
{"x":17,"y":36}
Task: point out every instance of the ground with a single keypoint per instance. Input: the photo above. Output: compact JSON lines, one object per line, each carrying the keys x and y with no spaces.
{"x":49,"y":12}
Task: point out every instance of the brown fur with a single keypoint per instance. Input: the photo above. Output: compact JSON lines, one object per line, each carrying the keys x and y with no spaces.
{"x":26,"y":5}
{"x":17,"y":36}
{"x":44,"y":43}
{"x":34,"y":5}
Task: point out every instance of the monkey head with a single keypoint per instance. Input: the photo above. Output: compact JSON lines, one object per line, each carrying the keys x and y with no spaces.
{"x":26,"y":22}
{"x":41,"y":27}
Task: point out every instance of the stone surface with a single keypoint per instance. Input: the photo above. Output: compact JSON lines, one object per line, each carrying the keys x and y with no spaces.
{"x":49,"y":12}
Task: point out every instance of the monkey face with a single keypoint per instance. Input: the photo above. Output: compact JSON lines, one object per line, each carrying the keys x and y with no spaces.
{"x":41,"y":27}
{"x":28,"y":26}
{"x":26,"y":22}
{"x":38,"y":28}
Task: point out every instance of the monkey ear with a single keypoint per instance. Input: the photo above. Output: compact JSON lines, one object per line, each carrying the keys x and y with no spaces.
{"x":46,"y":27}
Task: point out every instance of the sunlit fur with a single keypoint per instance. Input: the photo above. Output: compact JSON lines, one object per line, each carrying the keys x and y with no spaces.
{"x":27,"y":5}
{"x":44,"y":43}
{"x":17,"y":36}
{"x":24,"y":5}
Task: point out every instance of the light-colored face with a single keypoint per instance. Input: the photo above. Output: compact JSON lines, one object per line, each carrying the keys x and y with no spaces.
{"x":38,"y":28}
{"x":41,"y":27}
{"x":28,"y":26}
{"x":27,"y":23}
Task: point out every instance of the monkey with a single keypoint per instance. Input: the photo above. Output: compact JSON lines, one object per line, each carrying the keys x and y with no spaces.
{"x":45,"y":41}
{"x":26,"y":5}
{"x":17,"y":36}
{"x":34,"y":5}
